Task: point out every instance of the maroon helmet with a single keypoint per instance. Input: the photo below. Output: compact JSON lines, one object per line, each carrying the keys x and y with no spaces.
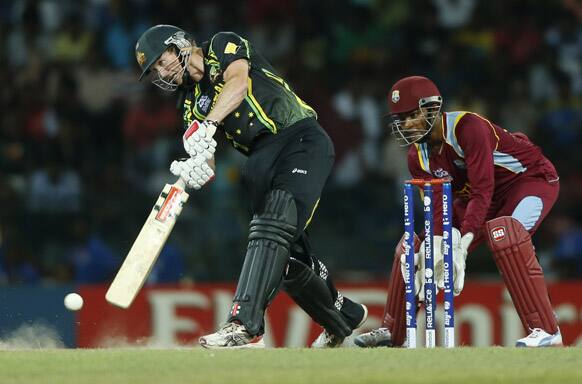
{"x":407,"y":96}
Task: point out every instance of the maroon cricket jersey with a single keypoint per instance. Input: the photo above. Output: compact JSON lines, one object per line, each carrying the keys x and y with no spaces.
{"x":483,"y":159}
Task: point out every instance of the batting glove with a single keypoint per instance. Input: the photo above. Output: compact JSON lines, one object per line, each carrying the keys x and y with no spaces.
{"x":194,"y":171}
{"x":198,"y":139}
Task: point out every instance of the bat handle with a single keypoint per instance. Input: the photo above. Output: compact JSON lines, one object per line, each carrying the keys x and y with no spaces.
{"x":180,"y":183}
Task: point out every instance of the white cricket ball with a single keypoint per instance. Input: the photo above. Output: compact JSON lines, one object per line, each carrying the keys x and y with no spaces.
{"x":73,"y":302}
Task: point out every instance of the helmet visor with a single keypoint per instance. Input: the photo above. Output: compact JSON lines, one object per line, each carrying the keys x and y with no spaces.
{"x":175,"y":71}
{"x":412,"y":127}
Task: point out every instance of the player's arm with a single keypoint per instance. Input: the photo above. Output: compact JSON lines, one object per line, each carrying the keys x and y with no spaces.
{"x":234,"y":91}
{"x":478,"y":140}
{"x":233,"y":55}
{"x":231,"y":52}
{"x":460,"y":243}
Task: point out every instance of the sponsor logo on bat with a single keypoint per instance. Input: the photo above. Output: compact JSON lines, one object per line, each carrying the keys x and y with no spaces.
{"x":170,"y":205}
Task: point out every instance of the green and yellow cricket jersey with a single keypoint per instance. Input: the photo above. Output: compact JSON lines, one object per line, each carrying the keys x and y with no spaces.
{"x":269,"y":106}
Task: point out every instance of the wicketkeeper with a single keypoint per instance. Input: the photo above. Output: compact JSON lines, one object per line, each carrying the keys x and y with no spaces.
{"x":227,"y":85}
{"x":503,"y":188}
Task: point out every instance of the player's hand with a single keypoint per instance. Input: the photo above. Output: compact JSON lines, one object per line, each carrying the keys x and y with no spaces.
{"x":418,"y":267}
{"x":194,"y":171}
{"x":460,"y":251}
{"x":420,"y":270}
{"x":419,"y":262}
{"x":419,"y":275}
{"x":438,"y":261}
{"x":198,"y":139}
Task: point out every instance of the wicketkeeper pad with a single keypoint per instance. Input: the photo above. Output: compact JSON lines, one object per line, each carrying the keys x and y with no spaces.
{"x":394,"y":312}
{"x":516,"y":260}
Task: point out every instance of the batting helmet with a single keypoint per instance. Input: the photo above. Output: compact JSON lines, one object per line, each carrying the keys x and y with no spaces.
{"x":155,"y":41}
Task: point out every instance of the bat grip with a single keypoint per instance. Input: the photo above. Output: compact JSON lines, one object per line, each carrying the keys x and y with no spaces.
{"x":180,"y":183}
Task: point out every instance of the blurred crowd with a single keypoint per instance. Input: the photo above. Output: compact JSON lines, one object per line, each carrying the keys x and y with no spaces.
{"x":85,"y":148}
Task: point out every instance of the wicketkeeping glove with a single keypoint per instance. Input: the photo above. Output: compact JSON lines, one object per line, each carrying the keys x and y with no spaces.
{"x":460,"y":251}
{"x":198,"y":139}
{"x":419,"y":257}
{"x":194,"y":171}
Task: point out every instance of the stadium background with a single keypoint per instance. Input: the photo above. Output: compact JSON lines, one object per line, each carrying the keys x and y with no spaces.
{"x":85,"y":148}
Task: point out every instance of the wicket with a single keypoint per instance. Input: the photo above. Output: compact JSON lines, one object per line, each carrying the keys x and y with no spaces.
{"x":429,"y":286}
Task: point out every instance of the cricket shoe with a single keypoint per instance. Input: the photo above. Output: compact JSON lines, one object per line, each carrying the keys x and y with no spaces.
{"x":328,"y":340}
{"x":380,"y":337}
{"x":232,"y":335}
{"x":540,"y":338}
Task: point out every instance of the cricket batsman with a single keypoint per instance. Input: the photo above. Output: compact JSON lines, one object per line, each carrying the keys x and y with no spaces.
{"x":503,"y":188}
{"x":226,"y":85}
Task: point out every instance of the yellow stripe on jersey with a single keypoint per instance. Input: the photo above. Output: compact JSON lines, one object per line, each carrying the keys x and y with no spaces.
{"x":236,"y":144}
{"x":453,"y":119}
{"x":499,"y":159}
{"x":312,"y":213}
{"x":211,"y":59}
{"x":199,"y":115}
{"x":492,"y":128}
{"x":423,"y":157}
{"x":286,"y":86}
{"x":451,"y":138}
{"x":246,"y":43}
{"x":458,"y":117}
{"x":188,"y":111}
{"x":256,"y":107}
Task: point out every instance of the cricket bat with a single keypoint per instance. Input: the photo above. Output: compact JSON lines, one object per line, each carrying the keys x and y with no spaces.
{"x":147,"y":246}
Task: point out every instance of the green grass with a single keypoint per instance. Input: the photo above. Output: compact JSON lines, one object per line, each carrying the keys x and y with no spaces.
{"x":297,"y":366}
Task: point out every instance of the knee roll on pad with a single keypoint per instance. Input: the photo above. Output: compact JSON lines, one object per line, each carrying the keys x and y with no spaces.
{"x":277,"y":221}
{"x":516,"y":260}
{"x":271,"y":231}
{"x":314,"y":296}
